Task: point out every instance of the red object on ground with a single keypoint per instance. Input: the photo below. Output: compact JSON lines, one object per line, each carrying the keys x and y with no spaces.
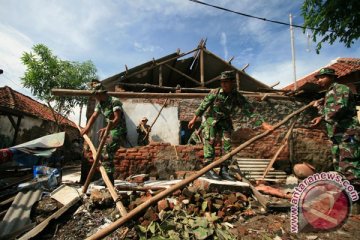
{"x":5,"y":155}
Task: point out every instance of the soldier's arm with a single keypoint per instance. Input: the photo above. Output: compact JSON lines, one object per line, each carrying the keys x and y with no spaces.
{"x":342,"y":103}
{"x":90,"y":123}
{"x":208,"y":100}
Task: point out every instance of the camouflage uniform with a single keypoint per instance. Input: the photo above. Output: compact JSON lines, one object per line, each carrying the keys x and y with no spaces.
{"x":141,"y":130}
{"x":117,"y":135}
{"x":218,"y":107}
{"x":196,"y":136}
{"x":339,"y":112}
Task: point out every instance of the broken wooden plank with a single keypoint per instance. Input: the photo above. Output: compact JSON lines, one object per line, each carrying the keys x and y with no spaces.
{"x":40,"y":227}
{"x":113,"y":226}
{"x":285,"y":141}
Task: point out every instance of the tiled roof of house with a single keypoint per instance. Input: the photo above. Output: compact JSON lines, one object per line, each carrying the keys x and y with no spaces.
{"x":14,"y":100}
{"x":342,"y":67}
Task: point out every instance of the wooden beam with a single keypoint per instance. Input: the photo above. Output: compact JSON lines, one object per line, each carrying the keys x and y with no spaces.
{"x":127,"y":95}
{"x":160,"y":76}
{"x":113,"y":226}
{"x":164,"y":88}
{"x":182,"y":74}
{"x":202,"y":77}
{"x":238,"y":81}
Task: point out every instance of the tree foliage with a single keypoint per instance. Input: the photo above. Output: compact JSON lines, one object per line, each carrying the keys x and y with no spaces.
{"x":45,"y":71}
{"x":333,"y":20}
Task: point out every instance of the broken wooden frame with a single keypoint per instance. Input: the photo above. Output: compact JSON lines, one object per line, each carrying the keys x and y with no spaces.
{"x":112,"y":227}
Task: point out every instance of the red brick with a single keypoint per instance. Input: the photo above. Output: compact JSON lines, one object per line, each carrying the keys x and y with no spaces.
{"x":163,"y":205}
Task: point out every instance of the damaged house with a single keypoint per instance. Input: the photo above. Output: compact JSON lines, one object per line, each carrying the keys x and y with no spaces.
{"x":185,"y":79}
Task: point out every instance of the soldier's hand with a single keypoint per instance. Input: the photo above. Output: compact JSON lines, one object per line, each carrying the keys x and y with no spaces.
{"x":192,"y":122}
{"x":101,"y":132}
{"x":318,"y":103}
{"x":315,"y":121}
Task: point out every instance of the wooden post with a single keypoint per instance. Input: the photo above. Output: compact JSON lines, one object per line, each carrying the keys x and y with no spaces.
{"x":160,"y":76}
{"x":237,"y":81}
{"x":113,"y":226}
{"x":202,"y":81}
{"x":96,"y":160}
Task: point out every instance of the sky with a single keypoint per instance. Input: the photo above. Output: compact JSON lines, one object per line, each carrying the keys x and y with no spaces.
{"x":112,"y":33}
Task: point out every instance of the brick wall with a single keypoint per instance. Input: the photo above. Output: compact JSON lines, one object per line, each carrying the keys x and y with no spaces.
{"x":158,"y":159}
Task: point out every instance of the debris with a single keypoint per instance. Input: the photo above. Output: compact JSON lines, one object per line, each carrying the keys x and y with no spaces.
{"x":65,"y":194}
{"x":17,"y":218}
{"x":273,"y":191}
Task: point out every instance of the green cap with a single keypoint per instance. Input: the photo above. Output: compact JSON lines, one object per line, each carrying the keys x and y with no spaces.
{"x":96,"y":87}
{"x":227,"y":75}
{"x":326,"y":71}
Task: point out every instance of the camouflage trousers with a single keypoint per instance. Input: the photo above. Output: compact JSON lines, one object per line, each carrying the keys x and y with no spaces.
{"x":213,"y":131}
{"x":115,"y":139}
{"x":346,"y":158}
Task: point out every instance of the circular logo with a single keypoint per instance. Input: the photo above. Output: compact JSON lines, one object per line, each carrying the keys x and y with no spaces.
{"x":325,"y":205}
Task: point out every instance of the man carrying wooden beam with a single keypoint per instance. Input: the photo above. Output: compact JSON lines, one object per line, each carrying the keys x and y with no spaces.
{"x":111,"y":108}
{"x":218,"y":107}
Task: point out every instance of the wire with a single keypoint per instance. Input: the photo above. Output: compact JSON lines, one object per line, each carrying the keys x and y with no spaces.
{"x":251,"y":16}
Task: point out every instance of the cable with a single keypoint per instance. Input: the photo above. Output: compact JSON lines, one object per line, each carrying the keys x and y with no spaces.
{"x":251,"y":16}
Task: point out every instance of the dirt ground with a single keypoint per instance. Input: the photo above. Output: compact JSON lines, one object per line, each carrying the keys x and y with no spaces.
{"x":84,"y":219}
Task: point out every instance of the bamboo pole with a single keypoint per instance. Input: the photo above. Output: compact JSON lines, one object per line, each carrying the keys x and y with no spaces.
{"x":104,"y":175}
{"x":127,"y":95}
{"x":112,"y":191}
{"x":96,"y":160}
{"x":285,"y":141}
{"x":147,"y":133}
{"x":112,"y":227}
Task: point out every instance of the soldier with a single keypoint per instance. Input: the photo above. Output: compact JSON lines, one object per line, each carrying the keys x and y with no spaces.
{"x":143,"y":132}
{"x":339,"y":113}
{"x":113,"y":112}
{"x":218,"y":106}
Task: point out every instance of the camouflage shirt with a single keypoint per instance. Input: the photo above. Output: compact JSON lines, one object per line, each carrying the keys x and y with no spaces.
{"x":339,"y":112}
{"x":108,"y":107}
{"x":221,"y":106}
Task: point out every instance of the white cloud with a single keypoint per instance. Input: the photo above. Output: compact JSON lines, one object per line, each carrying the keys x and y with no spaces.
{"x":12,"y":44}
{"x":223,"y":42}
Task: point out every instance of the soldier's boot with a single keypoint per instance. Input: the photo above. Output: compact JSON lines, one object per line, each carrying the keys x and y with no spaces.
{"x":212,"y":175}
{"x":224,"y":174}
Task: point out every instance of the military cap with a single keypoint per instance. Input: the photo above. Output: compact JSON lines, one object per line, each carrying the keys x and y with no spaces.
{"x":144,"y":119}
{"x":96,"y":86}
{"x":326,"y":71}
{"x":227,"y":75}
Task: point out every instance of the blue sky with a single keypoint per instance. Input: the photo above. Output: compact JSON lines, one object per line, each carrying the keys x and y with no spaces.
{"x":114,"y":33}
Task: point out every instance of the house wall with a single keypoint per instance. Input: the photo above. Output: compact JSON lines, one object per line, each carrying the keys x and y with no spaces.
{"x":309,"y":144}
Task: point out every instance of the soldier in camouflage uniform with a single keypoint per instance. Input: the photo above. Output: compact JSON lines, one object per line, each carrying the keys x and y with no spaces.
{"x":111,"y":108}
{"x":218,"y":107}
{"x":339,"y":113}
{"x":143,"y":131}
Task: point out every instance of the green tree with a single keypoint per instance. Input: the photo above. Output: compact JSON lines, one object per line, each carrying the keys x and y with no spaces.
{"x":45,"y":71}
{"x":332,"y":20}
